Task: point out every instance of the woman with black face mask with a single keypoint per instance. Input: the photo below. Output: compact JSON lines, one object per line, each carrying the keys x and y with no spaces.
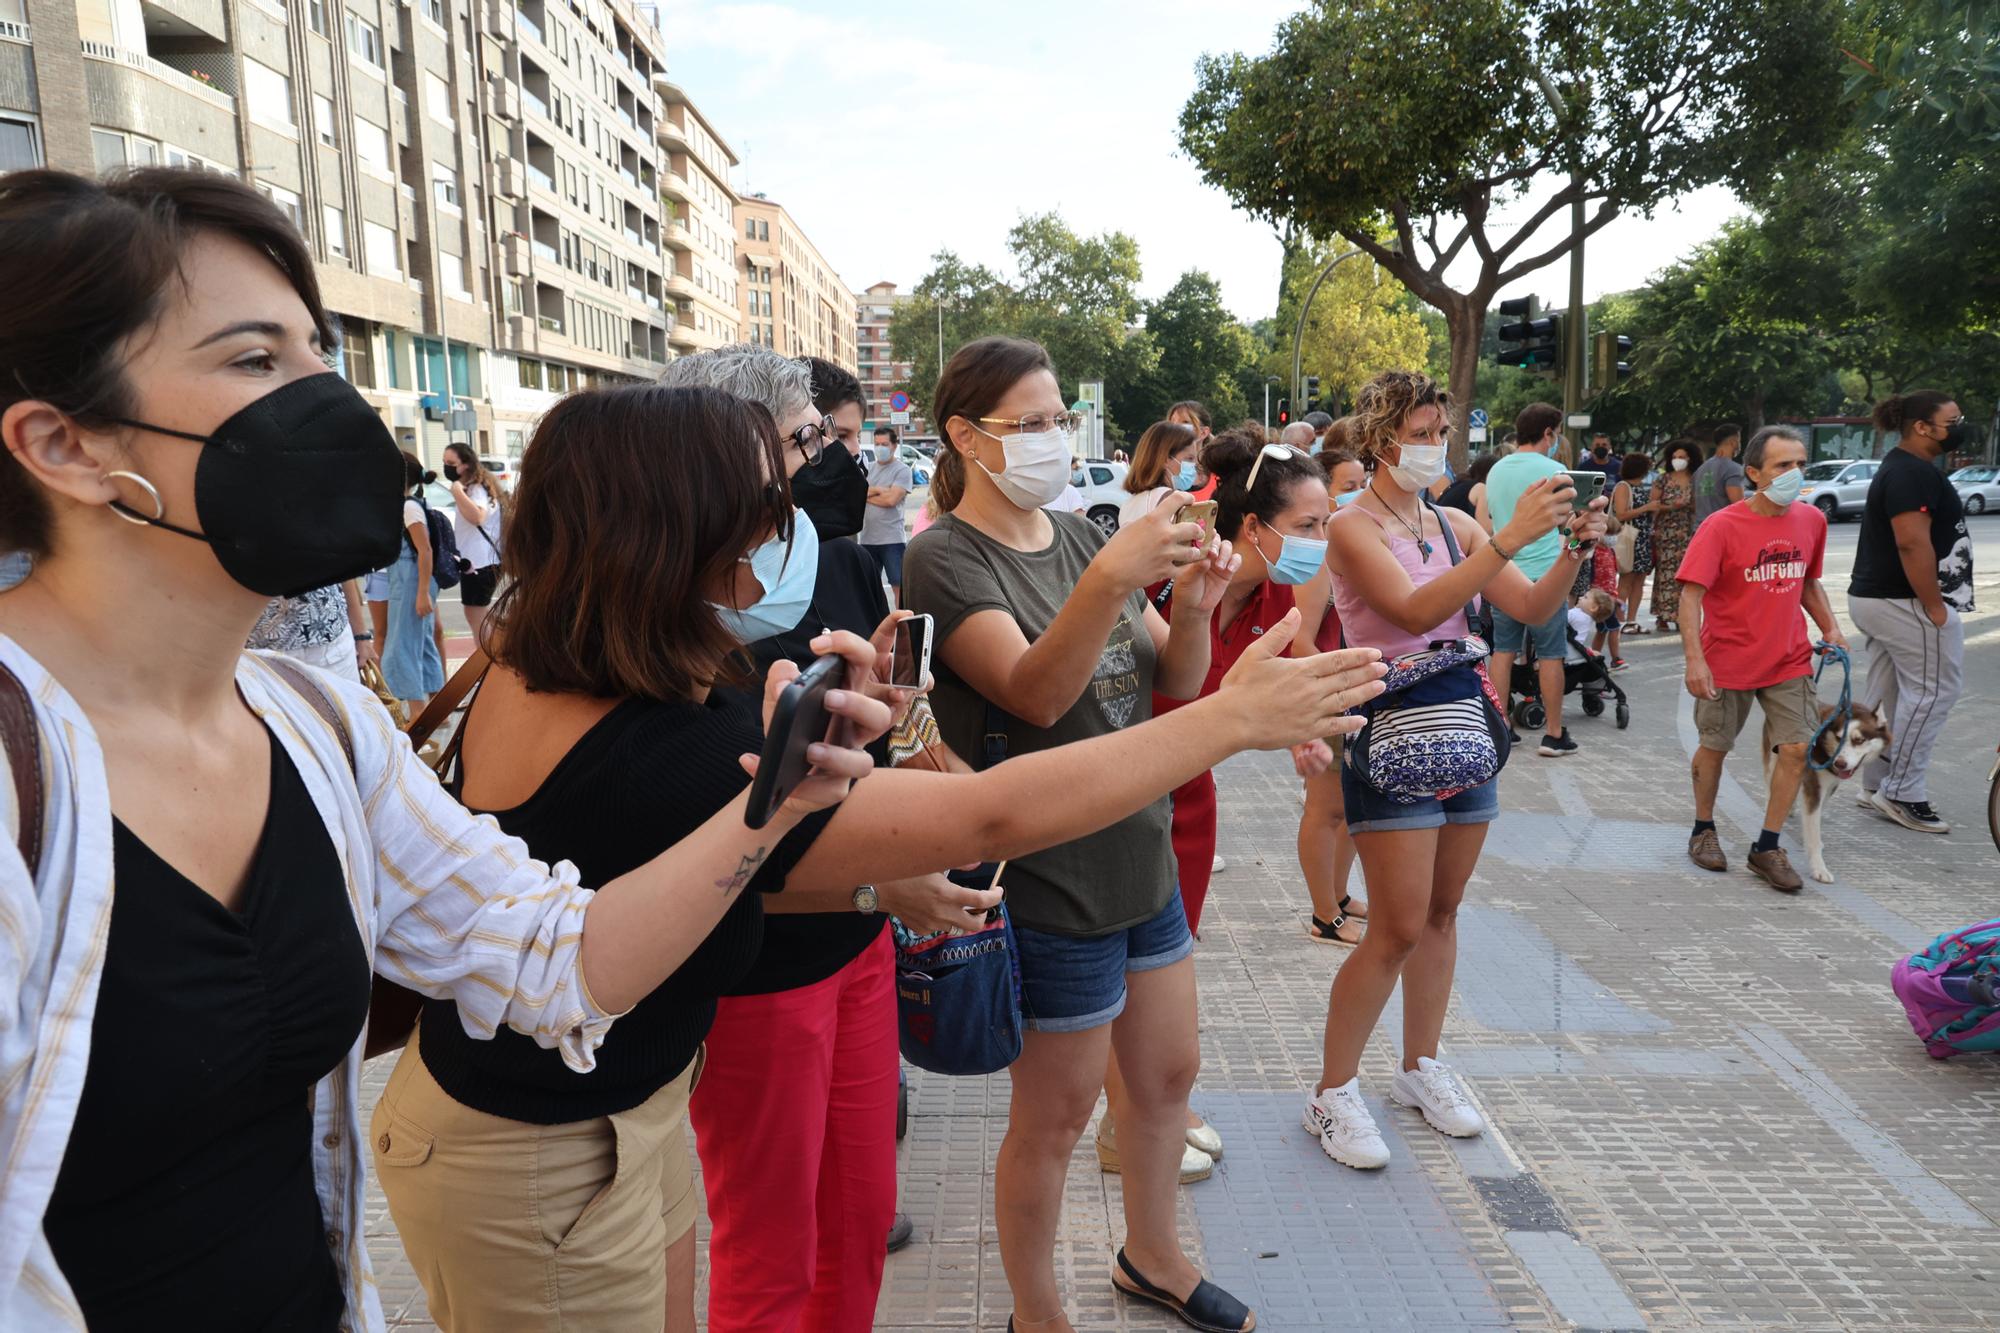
{"x":180,"y":1066}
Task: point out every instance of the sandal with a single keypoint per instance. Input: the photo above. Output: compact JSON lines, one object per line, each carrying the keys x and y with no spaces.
{"x":1328,"y":932}
{"x":1358,"y":913}
{"x":1208,"y":1307}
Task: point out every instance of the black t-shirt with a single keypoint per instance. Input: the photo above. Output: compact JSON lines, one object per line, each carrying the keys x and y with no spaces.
{"x":1458,"y":495}
{"x":1904,"y":484}
{"x":800,"y":949}
{"x":647,"y":775}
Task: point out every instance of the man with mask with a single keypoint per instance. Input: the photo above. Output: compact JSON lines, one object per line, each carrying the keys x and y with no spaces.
{"x":1912,"y":584}
{"x":796,"y":1106}
{"x":1538,"y":430}
{"x":1747,"y":574}
{"x":890,"y":481}
{"x":1604,"y":459}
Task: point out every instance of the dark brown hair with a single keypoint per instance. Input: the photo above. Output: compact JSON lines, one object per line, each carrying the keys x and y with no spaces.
{"x":85,"y":266}
{"x":1895,"y":414}
{"x":1637,"y":464}
{"x":1683,"y":444}
{"x":1535,"y":421}
{"x":1162,"y":440}
{"x":1337,"y":436}
{"x":976,"y":378}
{"x":1727,"y":431}
{"x":632,"y":501}
{"x":495,"y":491}
{"x":1229,"y":458}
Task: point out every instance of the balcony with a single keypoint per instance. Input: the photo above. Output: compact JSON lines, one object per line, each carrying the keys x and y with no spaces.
{"x":541,"y":178}
{"x":527,"y":27}
{"x":163,"y":73}
{"x":626,"y":117}
{"x":669,"y":134}
{"x":635,"y":238}
{"x":177,"y":16}
{"x":543,"y":250}
{"x":681,"y":285}
{"x":15,"y":32}
{"x":514,"y":250}
{"x":675,"y":186}
{"x":678,"y":235}
{"x":534,"y":103}
{"x":510,"y":178}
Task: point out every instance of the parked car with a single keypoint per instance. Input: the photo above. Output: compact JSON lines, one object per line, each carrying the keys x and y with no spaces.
{"x":920,"y":466}
{"x":1839,"y":486}
{"x":499,"y":469}
{"x":1978,"y":488}
{"x":1103,"y":492}
{"x":927,"y":445}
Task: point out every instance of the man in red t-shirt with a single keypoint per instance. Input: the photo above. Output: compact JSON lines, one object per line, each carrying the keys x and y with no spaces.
{"x":1748,"y":572}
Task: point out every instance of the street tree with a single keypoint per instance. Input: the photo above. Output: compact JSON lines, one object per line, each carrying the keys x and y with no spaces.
{"x":1428,"y":116}
{"x":1204,"y":352}
{"x":1362,"y":321}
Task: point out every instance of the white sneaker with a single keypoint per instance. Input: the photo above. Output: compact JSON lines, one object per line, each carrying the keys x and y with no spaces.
{"x":1435,"y":1090}
{"x":1346,"y":1131}
{"x":1219,"y":866}
{"x":1866,"y":800}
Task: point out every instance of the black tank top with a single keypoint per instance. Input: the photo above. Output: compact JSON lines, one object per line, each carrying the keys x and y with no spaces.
{"x":186,"y":1194}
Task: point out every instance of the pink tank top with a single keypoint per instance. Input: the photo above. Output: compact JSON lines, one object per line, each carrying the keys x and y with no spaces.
{"x":1362,"y":625}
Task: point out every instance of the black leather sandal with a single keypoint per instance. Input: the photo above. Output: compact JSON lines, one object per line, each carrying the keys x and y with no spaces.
{"x":1328,"y":932}
{"x":1208,"y":1308}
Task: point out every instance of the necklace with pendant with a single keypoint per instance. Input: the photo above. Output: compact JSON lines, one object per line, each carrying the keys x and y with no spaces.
{"x":1416,"y":529}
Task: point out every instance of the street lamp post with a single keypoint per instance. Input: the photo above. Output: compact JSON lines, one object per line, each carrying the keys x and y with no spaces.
{"x":1576,"y":337}
{"x":1269,"y":380}
{"x":1299,"y":334}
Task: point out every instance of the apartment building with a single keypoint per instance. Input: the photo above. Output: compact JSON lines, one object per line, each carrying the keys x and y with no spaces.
{"x":881,"y":374}
{"x":792,"y":299}
{"x":698,"y":209}
{"x":485,"y":184}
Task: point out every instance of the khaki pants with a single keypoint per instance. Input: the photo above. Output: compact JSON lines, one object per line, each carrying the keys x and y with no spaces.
{"x":514,"y":1226}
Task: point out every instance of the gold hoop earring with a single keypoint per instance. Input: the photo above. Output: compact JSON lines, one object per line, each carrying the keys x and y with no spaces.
{"x":119,"y":507}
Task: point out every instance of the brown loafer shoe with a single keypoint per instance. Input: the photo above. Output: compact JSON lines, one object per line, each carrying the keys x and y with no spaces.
{"x":1775,"y":869}
{"x":1705,"y":850}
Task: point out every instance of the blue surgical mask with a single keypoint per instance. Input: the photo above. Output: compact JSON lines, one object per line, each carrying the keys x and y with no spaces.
{"x":1299,"y":558}
{"x":1784,"y":488}
{"x":1346,"y":498}
{"x":787,"y":575}
{"x":1184,"y":478}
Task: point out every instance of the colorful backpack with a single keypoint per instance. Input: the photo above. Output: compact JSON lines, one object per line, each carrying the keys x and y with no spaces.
{"x":1948,"y":990}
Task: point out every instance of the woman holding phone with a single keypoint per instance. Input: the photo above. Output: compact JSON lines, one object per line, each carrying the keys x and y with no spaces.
{"x":1403,"y":579}
{"x":180,"y":1072}
{"x":531,"y":1198}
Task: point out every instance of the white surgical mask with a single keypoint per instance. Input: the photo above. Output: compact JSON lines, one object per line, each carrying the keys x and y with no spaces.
{"x":884,"y":453}
{"x":1422,"y":465}
{"x":1037,"y":467}
{"x":1680,"y":463}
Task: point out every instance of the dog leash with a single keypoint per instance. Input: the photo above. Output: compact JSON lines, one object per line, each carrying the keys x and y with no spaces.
{"x":1842,"y":712}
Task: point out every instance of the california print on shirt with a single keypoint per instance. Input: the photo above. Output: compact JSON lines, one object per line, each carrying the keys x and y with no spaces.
{"x":1779,"y":569}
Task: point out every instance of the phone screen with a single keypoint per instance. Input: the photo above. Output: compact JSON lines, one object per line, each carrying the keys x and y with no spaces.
{"x":912,"y":653}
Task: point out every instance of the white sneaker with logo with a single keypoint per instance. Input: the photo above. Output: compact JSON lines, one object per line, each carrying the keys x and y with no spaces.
{"x":1435,"y":1090}
{"x":1346,"y":1131}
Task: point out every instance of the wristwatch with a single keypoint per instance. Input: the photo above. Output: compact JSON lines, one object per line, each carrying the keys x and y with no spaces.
{"x":864,"y":900}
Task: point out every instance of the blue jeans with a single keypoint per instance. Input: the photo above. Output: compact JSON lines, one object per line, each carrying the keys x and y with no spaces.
{"x":410,"y":661}
{"x":1551,"y":637}
{"x":1073,"y":985}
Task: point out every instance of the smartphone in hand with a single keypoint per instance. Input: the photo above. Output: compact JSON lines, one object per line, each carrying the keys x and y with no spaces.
{"x":910,"y":662}
{"x":799,"y":720}
{"x":1202,"y":512}
{"x":1589,"y":484}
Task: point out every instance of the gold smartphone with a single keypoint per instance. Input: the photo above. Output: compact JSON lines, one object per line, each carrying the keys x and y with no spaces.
{"x":1202,"y":512}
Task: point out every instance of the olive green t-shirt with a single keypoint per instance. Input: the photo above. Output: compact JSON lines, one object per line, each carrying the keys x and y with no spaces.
{"x":1120,"y":875}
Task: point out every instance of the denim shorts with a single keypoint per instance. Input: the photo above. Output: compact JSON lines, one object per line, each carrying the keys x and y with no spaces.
{"x":1369,"y":811}
{"x":1551,"y":637}
{"x":1072,"y":985}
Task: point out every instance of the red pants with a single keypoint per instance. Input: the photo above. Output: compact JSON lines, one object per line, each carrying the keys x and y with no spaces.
{"x":1194,"y":843}
{"x":795,"y":1125}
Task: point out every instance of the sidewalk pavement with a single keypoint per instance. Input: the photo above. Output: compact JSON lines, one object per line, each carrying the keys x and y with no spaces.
{"x":1708,"y":1109}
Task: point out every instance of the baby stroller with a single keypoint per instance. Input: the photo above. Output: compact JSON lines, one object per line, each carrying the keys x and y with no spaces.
{"x":1591,"y":677}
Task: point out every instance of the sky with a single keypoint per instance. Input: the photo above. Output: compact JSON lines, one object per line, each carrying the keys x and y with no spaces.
{"x":897,"y":128}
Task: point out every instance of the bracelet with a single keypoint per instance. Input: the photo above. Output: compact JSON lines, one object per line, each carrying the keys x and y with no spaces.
{"x":363,"y":638}
{"x":1504,"y":553}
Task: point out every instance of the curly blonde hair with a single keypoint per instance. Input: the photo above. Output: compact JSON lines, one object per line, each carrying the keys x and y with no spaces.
{"x":1385,"y":403}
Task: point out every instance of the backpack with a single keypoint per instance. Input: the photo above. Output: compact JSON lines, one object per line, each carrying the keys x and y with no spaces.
{"x":447,"y":567}
{"x":1947,"y":990}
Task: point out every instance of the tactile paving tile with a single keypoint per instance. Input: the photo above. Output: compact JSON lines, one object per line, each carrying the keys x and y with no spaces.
{"x":1309,"y":1243}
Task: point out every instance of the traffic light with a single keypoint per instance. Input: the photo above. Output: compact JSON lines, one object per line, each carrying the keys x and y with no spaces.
{"x":1312,"y":393}
{"x":1610,"y":360}
{"x":1284,"y":411}
{"x":1534,"y":341}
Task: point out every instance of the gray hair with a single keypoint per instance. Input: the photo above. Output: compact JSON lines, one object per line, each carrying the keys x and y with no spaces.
{"x":1753,"y":452}
{"x":782,"y":386}
{"x":1299,"y":433}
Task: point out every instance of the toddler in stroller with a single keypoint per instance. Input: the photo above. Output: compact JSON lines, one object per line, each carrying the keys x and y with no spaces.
{"x":1585,"y":670}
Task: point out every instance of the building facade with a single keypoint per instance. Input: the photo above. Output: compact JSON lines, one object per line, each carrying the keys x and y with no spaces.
{"x":881,"y":374}
{"x":491,"y":189}
{"x":793,"y":301}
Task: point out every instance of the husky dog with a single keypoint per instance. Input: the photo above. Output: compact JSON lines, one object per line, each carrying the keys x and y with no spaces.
{"x":1866,"y":736}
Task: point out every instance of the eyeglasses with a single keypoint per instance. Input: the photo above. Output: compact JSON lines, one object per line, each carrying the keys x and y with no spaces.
{"x":1037,"y":422}
{"x":1278,"y":451}
{"x":811,"y":438}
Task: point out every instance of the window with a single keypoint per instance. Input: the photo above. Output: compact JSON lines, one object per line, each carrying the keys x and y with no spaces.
{"x":444,"y":183}
{"x":316,"y":15}
{"x":379,"y":245}
{"x":531,"y":373}
{"x":286,"y":201}
{"x":434,"y":11}
{"x":513,"y":438}
{"x":270,"y":95}
{"x":323,"y":122}
{"x":437,"y":98}
{"x":145,"y":153}
{"x":763,"y":231}
{"x":357,"y":359}
{"x":371,"y":146}
{"x":513,"y":296}
{"x":333,"y":223}
{"x":453,"y":269}
{"x":749,"y":229}
{"x":364,"y":42}
{"x":109,"y":148}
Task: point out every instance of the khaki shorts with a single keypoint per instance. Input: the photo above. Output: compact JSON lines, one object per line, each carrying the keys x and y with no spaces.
{"x":515,"y":1226}
{"x":1789,"y":708}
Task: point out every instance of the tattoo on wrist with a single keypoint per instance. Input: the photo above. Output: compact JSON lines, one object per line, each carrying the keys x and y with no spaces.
{"x":745,"y":869}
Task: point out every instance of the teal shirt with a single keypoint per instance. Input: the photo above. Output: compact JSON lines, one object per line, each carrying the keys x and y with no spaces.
{"x":1505,"y":485}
